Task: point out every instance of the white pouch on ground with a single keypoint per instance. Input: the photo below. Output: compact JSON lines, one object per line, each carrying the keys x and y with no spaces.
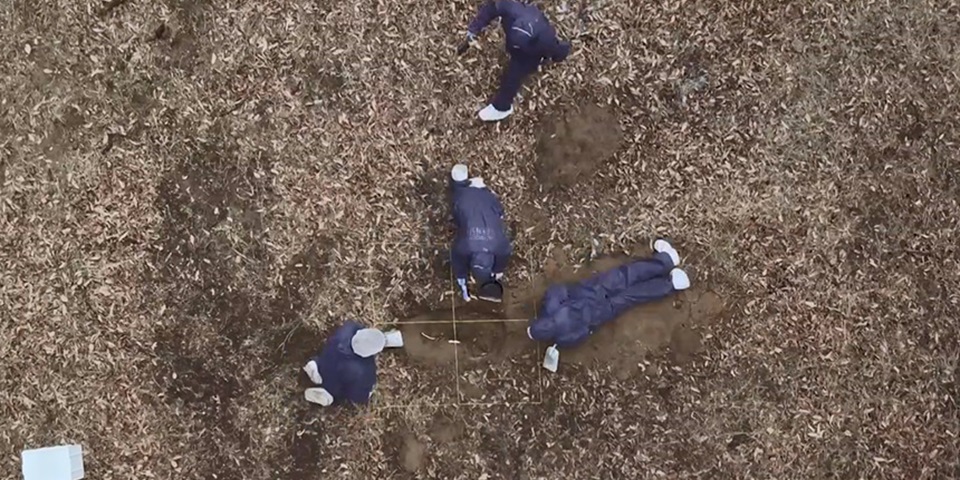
{"x":551,"y":360}
{"x":394,"y":338}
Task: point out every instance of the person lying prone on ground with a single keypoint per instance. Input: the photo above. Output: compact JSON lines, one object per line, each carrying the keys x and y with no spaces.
{"x":569,"y":314}
{"x":346,"y":368}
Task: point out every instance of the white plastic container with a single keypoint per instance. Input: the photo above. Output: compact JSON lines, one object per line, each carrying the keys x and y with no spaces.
{"x":53,"y":463}
{"x":551,"y":360}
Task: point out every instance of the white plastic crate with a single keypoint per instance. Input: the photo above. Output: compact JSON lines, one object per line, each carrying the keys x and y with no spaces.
{"x":53,"y":463}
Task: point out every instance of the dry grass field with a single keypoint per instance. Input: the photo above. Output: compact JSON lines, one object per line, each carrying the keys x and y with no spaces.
{"x":194,"y":193}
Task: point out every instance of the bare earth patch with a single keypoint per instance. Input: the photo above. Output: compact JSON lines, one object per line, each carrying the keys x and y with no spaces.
{"x":574,"y":144}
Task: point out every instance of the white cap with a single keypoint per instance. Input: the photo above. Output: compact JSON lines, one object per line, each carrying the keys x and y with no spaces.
{"x":394,"y":338}
{"x":459,"y":172}
{"x":368,"y":342}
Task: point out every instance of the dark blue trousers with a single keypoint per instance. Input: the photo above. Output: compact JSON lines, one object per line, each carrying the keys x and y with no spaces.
{"x":638,"y":282}
{"x":519,"y":68}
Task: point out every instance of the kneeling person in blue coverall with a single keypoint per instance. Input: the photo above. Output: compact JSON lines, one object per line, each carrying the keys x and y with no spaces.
{"x":569,"y":314}
{"x":346,"y":368}
{"x":481,"y":246}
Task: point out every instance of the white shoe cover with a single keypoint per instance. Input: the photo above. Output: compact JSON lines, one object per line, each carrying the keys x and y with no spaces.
{"x":680,"y":279}
{"x":318,"y":396}
{"x":664,"y":246}
{"x":313,"y":372}
{"x":491,"y":114}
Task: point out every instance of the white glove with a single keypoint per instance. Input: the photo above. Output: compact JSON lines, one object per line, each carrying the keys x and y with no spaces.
{"x":313,"y":372}
{"x":498,"y":276}
{"x":394,"y":338}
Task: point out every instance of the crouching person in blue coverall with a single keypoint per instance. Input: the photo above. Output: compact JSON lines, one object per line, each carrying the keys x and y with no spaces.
{"x":530,"y":39}
{"x":571,"y":313}
{"x":346,"y":368}
{"x":481,"y":246}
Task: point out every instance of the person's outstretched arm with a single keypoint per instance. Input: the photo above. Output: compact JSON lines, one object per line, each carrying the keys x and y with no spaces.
{"x":488,"y":11}
{"x":572,"y":339}
{"x":362,"y":380}
{"x":460,"y":263}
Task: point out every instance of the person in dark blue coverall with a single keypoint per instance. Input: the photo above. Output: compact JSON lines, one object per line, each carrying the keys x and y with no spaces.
{"x":346,"y":367}
{"x":571,"y":313}
{"x":530,"y":39}
{"x":481,"y":246}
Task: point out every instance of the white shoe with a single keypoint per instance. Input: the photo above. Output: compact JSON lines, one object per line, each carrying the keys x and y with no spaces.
{"x":680,"y":279}
{"x":491,"y":114}
{"x":313,"y":372}
{"x":664,"y":246}
{"x":318,"y":396}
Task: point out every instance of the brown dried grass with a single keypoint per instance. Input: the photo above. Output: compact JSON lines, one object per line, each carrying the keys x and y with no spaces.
{"x":813,"y":180}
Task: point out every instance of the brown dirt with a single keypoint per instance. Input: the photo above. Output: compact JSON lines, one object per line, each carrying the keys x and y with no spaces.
{"x":572,"y":145}
{"x":160,"y":187}
{"x":444,"y":429}
{"x":412,"y":454}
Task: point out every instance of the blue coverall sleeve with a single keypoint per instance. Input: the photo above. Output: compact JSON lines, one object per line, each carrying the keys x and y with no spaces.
{"x":460,"y":263}
{"x":488,"y":11}
{"x":542,"y":329}
{"x":362,"y":381}
{"x":497,"y":206}
{"x":500,"y":262}
{"x":554,"y":298}
{"x":573,"y":338}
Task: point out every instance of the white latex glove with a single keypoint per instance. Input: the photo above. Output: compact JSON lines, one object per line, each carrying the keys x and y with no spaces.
{"x":498,"y":276}
{"x":313,"y":372}
{"x":463,"y":289}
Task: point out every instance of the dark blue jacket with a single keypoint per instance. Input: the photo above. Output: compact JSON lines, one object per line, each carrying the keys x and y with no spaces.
{"x":347,"y":376}
{"x":481,"y":243}
{"x":570,"y":313}
{"x":528,"y":32}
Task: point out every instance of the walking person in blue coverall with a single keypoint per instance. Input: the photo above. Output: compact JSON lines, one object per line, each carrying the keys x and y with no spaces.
{"x":481,"y":246}
{"x":530,"y":39}
{"x":569,"y":314}
{"x":346,"y":368}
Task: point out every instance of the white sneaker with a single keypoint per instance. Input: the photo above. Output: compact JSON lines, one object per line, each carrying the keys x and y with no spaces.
{"x":313,"y":372}
{"x":680,"y":279}
{"x":664,"y":246}
{"x":318,"y":396}
{"x":491,"y":114}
